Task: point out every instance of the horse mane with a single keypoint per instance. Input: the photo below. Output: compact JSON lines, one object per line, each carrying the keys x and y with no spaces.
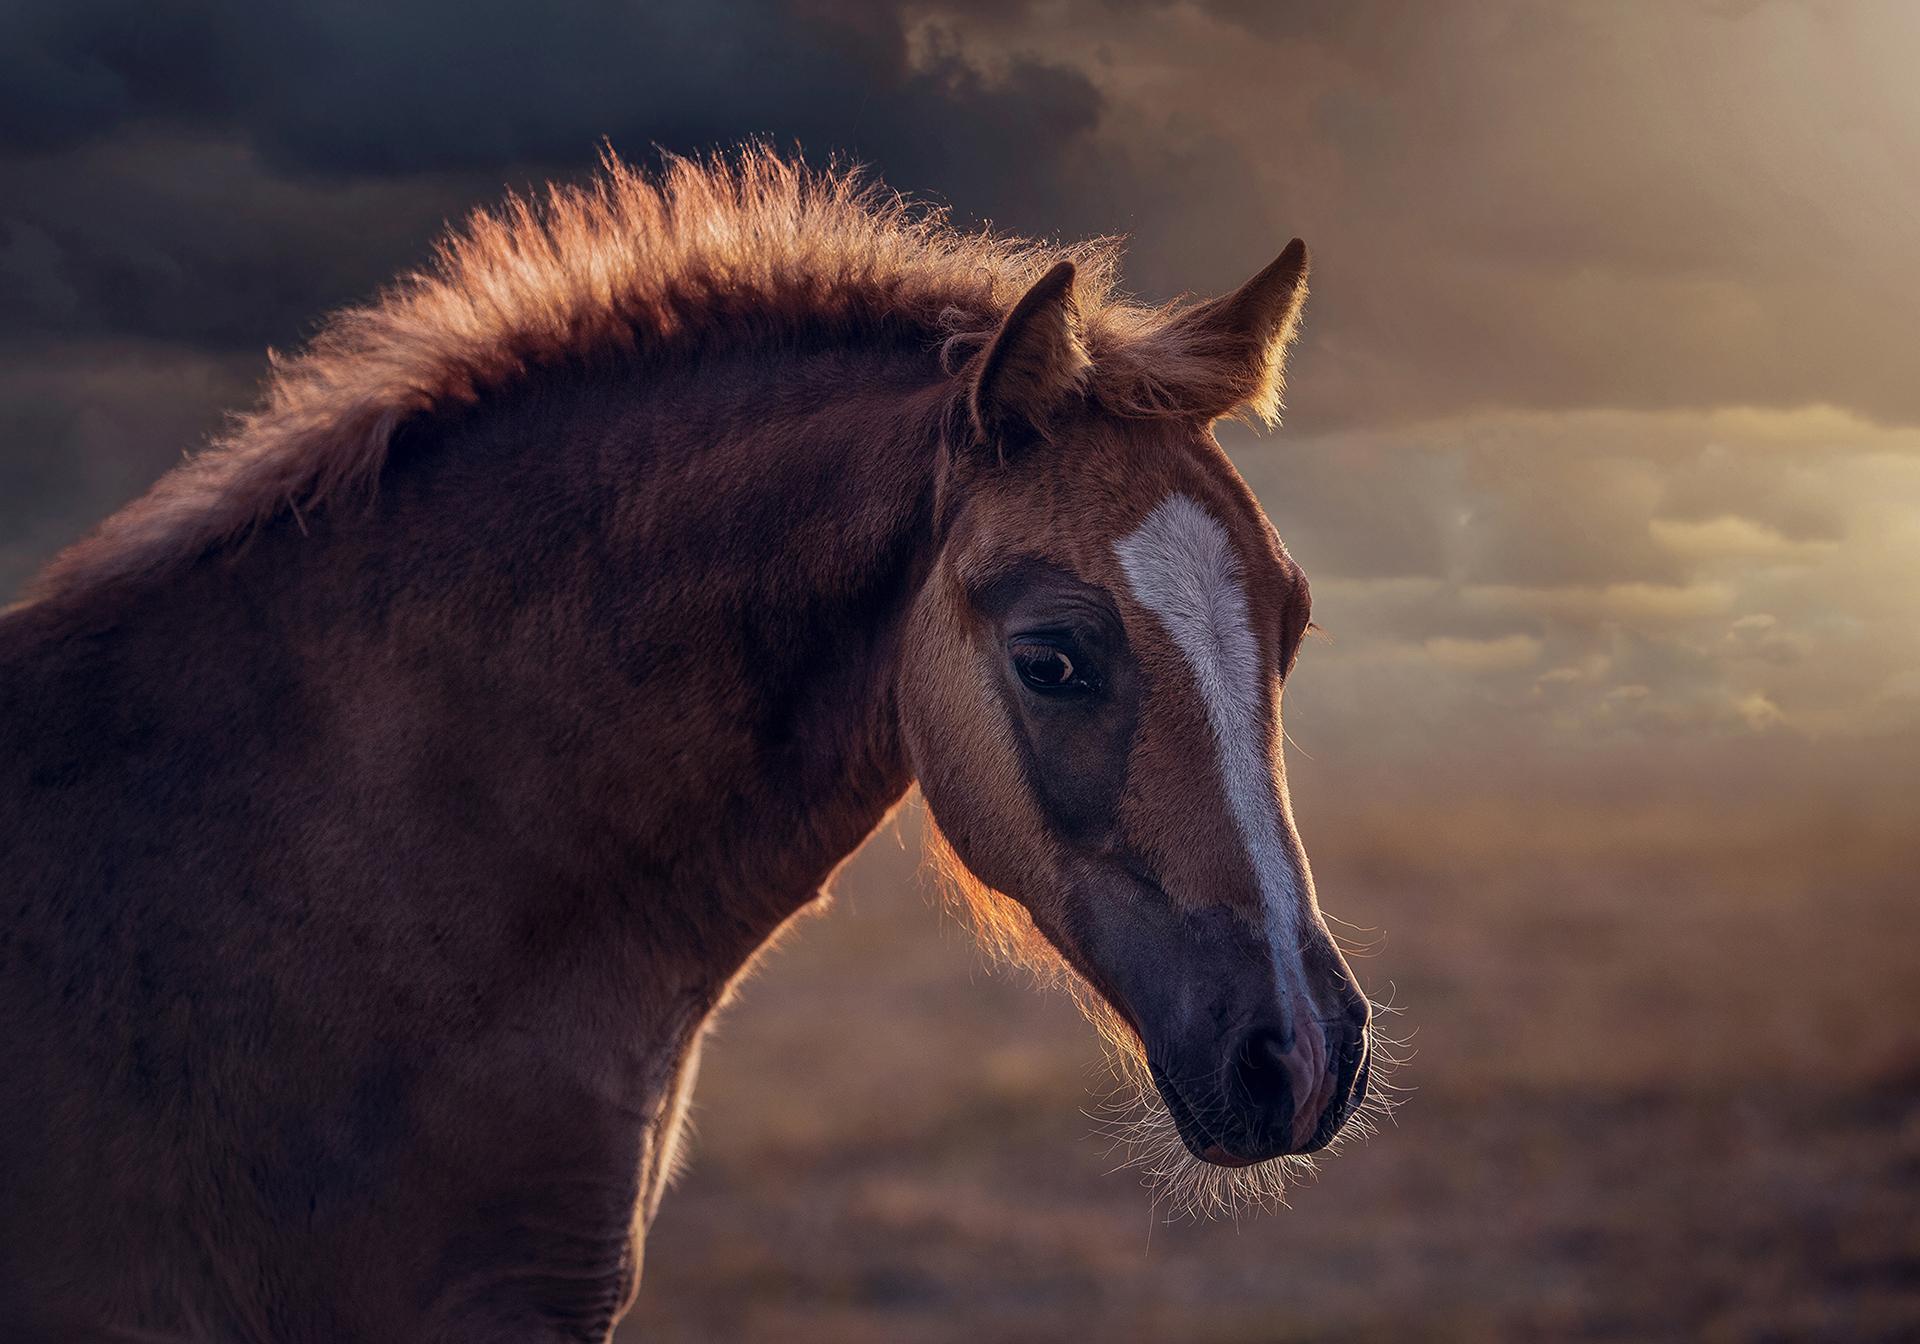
{"x":729,"y":250}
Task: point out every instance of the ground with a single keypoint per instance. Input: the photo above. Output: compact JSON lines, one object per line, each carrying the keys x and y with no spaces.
{"x":1666,"y":1086}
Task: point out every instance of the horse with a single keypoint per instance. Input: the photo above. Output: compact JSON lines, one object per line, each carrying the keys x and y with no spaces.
{"x":390,"y":796}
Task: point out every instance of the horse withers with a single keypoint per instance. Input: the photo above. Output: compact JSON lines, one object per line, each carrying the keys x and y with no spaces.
{"x":388,"y":798}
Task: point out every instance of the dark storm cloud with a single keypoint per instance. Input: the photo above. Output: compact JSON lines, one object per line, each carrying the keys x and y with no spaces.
{"x":218,"y":174}
{"x":351,"y":87}
{"x":160,"y":236}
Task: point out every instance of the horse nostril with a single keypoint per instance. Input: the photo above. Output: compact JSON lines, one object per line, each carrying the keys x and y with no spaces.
{"x":1359,"y":1013}
{"x":1260,"y":1067}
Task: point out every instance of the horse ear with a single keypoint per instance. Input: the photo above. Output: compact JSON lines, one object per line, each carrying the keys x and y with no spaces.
{"x":1034,"y":363}
{"x":1243,"y":337}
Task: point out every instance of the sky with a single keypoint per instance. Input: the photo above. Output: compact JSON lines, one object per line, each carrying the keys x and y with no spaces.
{"x":1602,"y":450}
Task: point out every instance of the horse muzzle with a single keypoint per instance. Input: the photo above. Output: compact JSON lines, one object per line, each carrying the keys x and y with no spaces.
{"x":1282,"y":1087}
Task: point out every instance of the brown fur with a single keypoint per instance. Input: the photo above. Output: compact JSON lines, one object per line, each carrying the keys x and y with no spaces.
{"x":387,"y":799}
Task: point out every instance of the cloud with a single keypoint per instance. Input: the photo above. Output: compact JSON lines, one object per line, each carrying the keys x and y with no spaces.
{"x":224,"y":174}
{"x":1728,"y":536}
{"x":189,"y":241}
{"x":1760,"y":635}
{"x":1758,"y":712}
{"x":1649,"y":207}
{"x":1531,"y":635}
{"x":83,"y":429}
{"x":1483,"y":655}
{"x":1635,"y":604}
{"x":1354,"y":506}
{"x":357,"y":87}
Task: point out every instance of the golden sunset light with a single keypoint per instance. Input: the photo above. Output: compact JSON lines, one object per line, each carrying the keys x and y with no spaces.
{"x":418,"y":723}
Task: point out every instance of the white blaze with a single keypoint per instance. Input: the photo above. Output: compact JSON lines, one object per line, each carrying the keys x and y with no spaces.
{"x":1181,"y":567}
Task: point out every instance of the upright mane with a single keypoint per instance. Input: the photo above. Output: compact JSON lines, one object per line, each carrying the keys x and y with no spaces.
{"x":725,"y":251}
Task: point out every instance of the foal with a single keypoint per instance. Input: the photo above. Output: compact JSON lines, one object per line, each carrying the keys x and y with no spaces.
{"x":388,"y":797}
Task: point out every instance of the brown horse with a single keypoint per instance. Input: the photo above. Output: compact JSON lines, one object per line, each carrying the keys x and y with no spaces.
{"x":388,"y":798}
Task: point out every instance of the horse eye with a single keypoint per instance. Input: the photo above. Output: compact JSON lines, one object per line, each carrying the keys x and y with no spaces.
{"x":1047,"y":667}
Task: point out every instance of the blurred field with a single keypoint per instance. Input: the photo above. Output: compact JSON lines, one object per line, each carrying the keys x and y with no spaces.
{"x":1668,"y":1087}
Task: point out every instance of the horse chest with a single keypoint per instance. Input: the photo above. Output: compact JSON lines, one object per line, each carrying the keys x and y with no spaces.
{"x":551,"y":1216}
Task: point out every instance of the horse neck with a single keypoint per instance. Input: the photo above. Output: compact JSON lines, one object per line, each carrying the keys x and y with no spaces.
{"x":645,"y":626}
